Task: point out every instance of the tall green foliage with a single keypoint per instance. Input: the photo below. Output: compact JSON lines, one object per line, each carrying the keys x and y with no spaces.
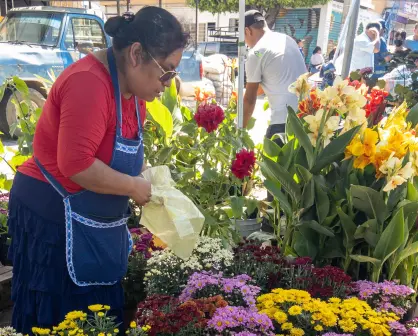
{"x":270,"y":8}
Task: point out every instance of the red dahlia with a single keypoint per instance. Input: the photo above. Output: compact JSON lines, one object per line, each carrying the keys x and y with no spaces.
{"x":243,"y":164}
{"x":209,"y":116}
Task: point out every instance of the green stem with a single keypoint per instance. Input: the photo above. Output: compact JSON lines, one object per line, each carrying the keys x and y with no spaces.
{"x":347,"y":261}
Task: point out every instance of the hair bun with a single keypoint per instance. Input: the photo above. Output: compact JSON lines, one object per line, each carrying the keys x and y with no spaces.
{"x":114,"y":25}
{"x":128,"y":16}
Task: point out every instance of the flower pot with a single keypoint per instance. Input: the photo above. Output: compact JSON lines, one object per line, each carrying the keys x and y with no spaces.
{"x":411,"y":313}
{"x":4,"y":248}
{"x":247,"y":226}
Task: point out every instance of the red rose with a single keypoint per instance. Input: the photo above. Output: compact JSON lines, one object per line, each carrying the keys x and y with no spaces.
{"x":243,"y":164}
{"x":209,"y":116}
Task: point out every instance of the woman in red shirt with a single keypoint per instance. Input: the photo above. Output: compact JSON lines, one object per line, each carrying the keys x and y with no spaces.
{"x":69,"y":204}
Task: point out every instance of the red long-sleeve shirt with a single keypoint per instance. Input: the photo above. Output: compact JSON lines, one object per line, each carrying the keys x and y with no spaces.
{"x":78,"y":123}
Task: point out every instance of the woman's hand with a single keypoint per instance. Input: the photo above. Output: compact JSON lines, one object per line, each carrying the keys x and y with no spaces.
{"x":141,"y":191}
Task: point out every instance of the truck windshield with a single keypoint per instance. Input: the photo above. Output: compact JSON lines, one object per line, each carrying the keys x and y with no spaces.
{"x":40,"y":28}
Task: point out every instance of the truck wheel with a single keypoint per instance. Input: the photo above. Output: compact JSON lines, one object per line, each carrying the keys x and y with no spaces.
{"x":8,"y":114}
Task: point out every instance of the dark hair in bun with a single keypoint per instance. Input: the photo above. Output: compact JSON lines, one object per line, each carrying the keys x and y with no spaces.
{"x":158,"y":31}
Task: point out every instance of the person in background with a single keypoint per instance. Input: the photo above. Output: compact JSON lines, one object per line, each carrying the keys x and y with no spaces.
{"x":403,"y":36}
{"x":317,"y":60}
{"x":400,"y":51}
{"x":382,"y":57}
{"x":411,"y":42}
{"x":365,"y":46}
{"x":301,"y":45}
{"x":273,"y":62}
{"x":331,"y":54}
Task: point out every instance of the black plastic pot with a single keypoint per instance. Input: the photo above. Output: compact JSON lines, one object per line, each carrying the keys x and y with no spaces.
{"x":4,"y":248}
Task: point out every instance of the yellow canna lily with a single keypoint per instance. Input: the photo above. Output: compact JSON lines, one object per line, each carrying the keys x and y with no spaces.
{"x":370,"y":140}
{"x":363,"y":148}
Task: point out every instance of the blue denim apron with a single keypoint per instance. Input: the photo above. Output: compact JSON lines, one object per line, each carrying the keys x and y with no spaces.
{"x":98,"y":241}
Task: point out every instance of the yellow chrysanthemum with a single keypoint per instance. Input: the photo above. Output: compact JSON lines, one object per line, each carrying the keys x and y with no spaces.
{"x":295,"y":310}
{"x":280,"y":317}
{"x":297,"y":332}
{"x":318,"y":327}
{"x":41,"y":331}
{"x":287,"y":326}
{"x":133,"y":324}
{"x":146,"y":328}
{"x":96,"y":308}
{"x":75,"y":315}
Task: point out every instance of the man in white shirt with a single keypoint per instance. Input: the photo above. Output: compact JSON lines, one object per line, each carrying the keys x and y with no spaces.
{"x":275,"y":62}
{"x":365,"y":46}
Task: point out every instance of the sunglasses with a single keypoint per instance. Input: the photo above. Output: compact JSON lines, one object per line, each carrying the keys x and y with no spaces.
{"x":167,"y":75}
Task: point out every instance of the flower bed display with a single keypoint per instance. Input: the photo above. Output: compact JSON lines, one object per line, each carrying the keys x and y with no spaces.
{"x":345,"y":211}
{"x":218,"y":301}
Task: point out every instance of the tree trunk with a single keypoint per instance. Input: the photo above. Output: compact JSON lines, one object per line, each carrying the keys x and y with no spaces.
{"x":271,"y":16}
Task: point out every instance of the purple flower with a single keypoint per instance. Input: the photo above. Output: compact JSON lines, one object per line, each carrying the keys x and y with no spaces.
{"x":336,"y":334}
{"x":240,"y":319}
{"x":398,"y":329}
{"x":387,"y":295}
{"x":235,"y":290}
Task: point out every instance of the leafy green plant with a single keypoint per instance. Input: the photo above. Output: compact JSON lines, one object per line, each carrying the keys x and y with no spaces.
{"x":342,"y":208}
{"x":27,"y":117}
{"x":200,"y":161}
{"x":271,"y":8}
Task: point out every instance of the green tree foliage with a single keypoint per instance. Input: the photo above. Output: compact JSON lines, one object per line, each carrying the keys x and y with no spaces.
{"x":270,"y":8}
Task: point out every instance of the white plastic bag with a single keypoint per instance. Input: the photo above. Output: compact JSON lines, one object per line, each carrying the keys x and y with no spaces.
{"x":170,"y":215}
{"x":215,"y":64}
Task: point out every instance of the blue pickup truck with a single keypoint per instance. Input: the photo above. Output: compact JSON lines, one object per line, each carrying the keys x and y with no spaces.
{"x":36,"y":40}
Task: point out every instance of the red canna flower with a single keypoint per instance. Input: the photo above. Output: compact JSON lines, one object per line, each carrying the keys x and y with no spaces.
{"x":209,"y":116}
{"x":310,"y":105}
{"x":243,"y":164}
{"x":376,"y":104}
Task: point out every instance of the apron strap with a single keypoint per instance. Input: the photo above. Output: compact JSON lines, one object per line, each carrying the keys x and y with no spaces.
{"x":115,"y":81}
{"x":116,"y":89}
{"x":57,"y":186}
{"x":138,"y":117}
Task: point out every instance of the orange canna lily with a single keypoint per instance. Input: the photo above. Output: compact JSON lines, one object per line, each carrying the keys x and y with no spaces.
{"x":234,"y":95}
{"x":201,"y":95}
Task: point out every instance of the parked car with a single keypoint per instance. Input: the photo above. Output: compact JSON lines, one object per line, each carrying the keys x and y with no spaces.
{"x":229,"y":49}
{"x":36,"y":40}
{"x":191,"y":74}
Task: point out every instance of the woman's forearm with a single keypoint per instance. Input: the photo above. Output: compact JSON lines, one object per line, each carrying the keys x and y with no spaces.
{"x":102,"y":179}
